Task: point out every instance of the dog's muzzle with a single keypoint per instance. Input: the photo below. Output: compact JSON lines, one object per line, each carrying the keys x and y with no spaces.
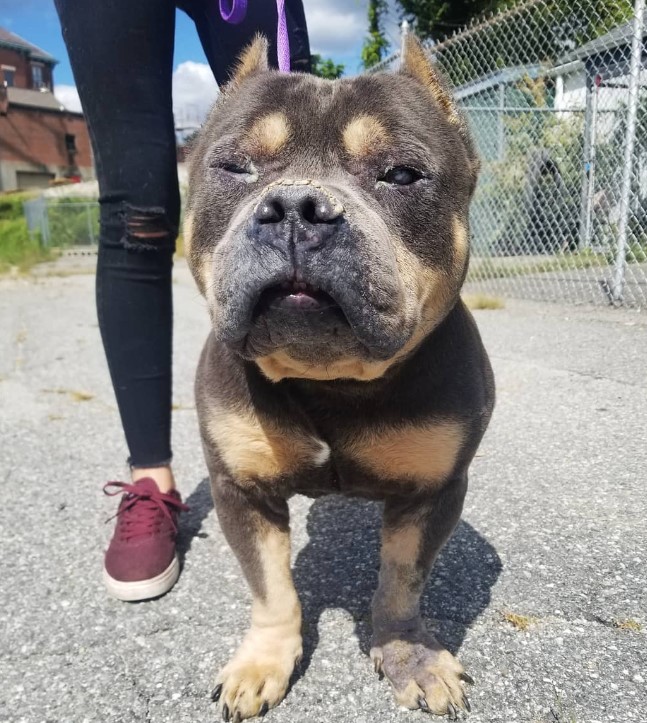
{"x":300,"y":214}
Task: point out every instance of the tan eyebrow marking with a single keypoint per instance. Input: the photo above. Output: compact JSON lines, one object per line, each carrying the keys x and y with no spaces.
{"x":269,"y":134}
{"x":363,"y":135}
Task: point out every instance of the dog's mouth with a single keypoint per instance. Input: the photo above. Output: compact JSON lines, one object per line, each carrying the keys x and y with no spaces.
{"x":298,"y":297}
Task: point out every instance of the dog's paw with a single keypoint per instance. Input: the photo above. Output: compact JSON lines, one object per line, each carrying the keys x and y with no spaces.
{"x":423,"y":674}
{"x":257,"y":677}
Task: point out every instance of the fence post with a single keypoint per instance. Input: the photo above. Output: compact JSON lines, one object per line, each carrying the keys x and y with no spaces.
{"x":44,"y":220}
{"x":89,"y":219}
{"x":618,"y":283}
{"x":501,"y":121}
{"x":590,"y":141}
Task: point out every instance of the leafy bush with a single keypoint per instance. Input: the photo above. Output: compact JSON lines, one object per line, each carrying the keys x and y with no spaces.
{"x":528,"y":197}
{"x":11,"y":205}
{"x":17,"y":247}
{"x":73,"y":223}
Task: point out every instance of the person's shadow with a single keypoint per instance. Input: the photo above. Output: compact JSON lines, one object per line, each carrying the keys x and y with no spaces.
{"x":339,"y":565}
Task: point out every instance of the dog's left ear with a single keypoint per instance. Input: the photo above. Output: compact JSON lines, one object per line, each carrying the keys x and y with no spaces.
{"x":252,"y":61}
{"x":417,"y":65}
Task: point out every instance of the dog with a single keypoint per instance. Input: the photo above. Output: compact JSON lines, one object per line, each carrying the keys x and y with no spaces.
{"x":327,"y":229}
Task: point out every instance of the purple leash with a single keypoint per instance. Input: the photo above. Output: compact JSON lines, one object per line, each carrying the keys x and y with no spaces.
{"x":234,"y":11}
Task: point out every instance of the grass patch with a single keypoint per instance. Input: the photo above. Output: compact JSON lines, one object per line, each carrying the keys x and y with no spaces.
{"x":511,"y":266}
{"x":74,"y":394}
{"x":179,"y":247}
{"x":17,"y":248}
{"x":11,"y":205}
{"x":559,"y":713}
{"x":73,"y":222}
{"x":628,"y":624}
{"x":482,"y":301}
{"x":518,"y":622}
{"x":51,"y":273}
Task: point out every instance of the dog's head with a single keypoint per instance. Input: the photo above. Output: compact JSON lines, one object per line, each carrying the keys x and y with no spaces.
{"x":327,"y":220}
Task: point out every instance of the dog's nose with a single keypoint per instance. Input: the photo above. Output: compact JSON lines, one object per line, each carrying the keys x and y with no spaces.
{"x":309,"y":205}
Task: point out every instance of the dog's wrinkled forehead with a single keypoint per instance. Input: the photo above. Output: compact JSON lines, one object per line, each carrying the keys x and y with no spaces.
{"x":311,"y":119}
{"x":389,"y":118}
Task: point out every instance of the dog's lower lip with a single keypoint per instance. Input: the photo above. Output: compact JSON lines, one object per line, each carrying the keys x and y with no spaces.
{"x":298,"y":296}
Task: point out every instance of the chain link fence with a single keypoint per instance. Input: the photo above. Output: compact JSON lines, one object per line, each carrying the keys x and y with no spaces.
{"x":555,"y":93}
{"x":63,"y":224}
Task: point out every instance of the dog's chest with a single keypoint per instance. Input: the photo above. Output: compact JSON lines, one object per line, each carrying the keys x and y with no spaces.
{"x":376,"y":462}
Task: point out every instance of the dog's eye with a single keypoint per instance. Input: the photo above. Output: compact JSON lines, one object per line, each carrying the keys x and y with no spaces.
{"x":232,"y":167}
{"x":244,"y":170}
{"x":401,"y":176}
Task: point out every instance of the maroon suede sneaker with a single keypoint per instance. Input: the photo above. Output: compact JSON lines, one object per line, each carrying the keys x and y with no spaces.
{"x":140,"y":562}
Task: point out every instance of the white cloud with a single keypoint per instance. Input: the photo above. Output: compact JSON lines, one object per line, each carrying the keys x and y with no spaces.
{"x":336,"y":27}
{"x":194,"y":91}
{"x":334,"y":30}
{"x":68,"y":95}
{"x":340,"y":26}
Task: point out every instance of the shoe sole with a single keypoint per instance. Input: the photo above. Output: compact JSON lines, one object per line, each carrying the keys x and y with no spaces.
{"x":143,"y":589}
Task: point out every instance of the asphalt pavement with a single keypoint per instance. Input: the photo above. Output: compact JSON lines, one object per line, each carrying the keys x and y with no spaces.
{"x":541,"y":592}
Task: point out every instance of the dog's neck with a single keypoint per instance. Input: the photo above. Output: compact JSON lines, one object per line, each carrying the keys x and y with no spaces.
{"x":433,"y":357}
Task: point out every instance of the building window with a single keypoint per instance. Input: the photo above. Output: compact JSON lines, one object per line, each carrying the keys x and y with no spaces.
{"x":70,"y":144}
{"x":8,"y":76}
{"x":37,"y":76}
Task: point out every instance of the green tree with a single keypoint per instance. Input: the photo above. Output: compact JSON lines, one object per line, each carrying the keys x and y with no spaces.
{"x":570,"y":21}
{"x":536,"y":33}
{"x":437,"y":18}
{"x":326,"y":67}
{"x":375,"y":45}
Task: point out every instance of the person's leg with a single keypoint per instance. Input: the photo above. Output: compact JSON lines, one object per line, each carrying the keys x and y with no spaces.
{"x":122,"y":53}
{"x":223,"y":42}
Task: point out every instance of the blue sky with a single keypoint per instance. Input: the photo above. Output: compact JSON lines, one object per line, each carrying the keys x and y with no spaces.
{"x":336,"y":27}
{"x":36,"y":21}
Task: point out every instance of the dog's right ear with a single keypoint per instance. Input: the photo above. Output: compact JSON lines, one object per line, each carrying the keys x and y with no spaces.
{"x":417,"y":65}
{"x":252,"y":61}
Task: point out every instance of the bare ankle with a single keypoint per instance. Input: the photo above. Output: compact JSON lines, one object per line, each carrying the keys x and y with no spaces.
{"x":163,"y":476}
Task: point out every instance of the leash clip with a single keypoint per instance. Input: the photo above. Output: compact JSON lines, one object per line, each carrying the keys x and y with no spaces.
{"x":234,"y":12}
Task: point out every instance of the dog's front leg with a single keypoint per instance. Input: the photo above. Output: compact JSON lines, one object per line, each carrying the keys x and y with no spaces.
{"x":257,"y":528}
{"x":423,"y":674}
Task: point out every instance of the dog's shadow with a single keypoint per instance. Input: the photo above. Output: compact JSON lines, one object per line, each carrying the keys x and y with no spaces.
{"x":200,"y":505}
{"x":338,"y":568}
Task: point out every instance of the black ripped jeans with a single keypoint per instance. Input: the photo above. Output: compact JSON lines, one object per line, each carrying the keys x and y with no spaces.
{"x":122,"y":58}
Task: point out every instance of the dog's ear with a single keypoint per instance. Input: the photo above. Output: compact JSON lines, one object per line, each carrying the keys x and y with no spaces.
{"x":252,"y":61}
{"x":417,"y":65}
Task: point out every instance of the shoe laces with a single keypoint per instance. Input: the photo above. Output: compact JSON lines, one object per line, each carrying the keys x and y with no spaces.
{"x":140,"y":508}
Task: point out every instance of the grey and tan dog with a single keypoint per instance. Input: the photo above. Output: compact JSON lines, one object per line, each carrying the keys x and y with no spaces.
{"x":327,"y":228}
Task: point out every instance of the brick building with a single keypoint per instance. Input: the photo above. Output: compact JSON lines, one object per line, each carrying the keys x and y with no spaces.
{"x":40,"y":141}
